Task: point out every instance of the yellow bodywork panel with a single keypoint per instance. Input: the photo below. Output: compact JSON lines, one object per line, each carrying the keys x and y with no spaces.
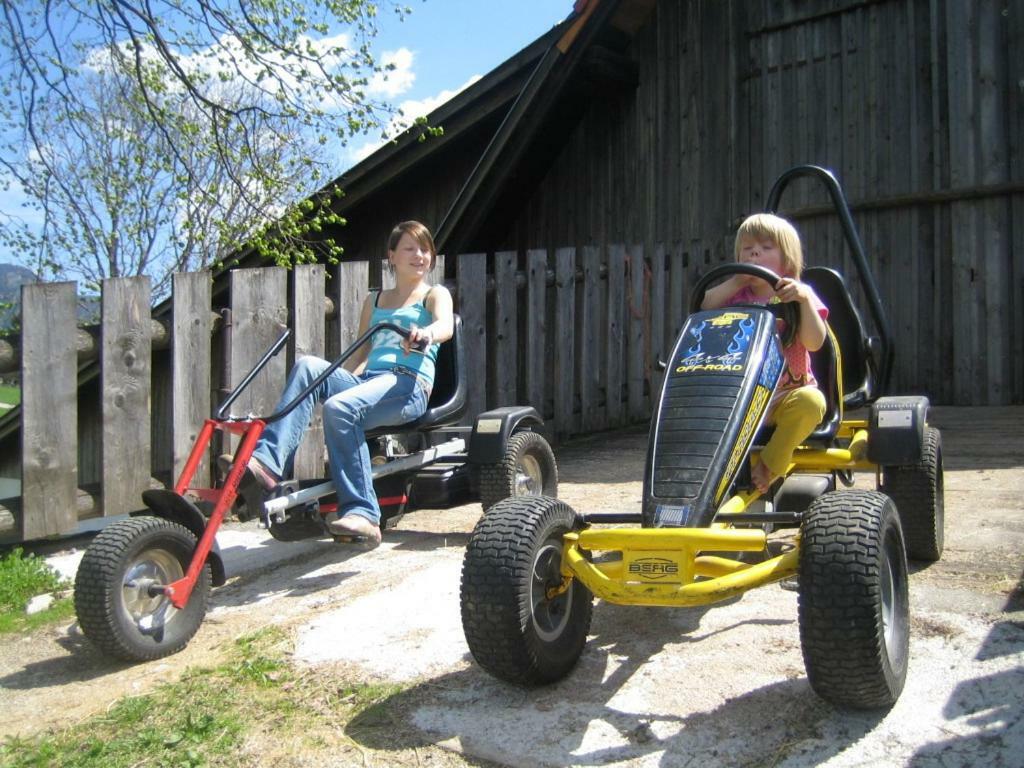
{"x":687,"y":566}
{"x":661,"y":566}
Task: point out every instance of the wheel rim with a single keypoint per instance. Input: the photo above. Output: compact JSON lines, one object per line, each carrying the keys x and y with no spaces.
{"x":154,"y":566}
{"x":529,"y":477}
{"x":549,"y":616}
{"x":891,"y":597}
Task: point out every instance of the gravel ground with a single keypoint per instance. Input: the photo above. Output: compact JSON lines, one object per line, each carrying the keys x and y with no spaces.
{"x":721,"y":685}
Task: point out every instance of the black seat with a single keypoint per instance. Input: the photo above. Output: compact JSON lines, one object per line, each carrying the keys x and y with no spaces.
{"x":858,"y":351}
{"x":825,"y":363}
{"x":854,"y":359}
{"x":447,"y":401}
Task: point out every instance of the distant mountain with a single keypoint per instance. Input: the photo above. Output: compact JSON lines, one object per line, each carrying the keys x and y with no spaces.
{"x":12,"y":277}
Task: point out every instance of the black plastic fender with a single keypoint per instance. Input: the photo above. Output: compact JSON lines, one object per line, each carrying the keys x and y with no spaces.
{"x":169,"y":505}
{"x":896,"y":429}
{"x":492,"y":429}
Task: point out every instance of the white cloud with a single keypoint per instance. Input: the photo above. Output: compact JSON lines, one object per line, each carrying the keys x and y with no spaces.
{"x":227,"y":55}
{"x":411,"y":109}
{"x":394,"y":82}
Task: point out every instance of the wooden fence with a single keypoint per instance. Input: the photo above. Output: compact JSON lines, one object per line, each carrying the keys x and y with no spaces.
{"x":573,"y":332}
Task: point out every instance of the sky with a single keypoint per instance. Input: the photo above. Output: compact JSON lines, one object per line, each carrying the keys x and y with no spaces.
{"x":445,"y":45}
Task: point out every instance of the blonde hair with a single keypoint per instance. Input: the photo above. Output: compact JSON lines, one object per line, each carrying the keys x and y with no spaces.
{"x":418,"y":232}
{"x":768,"y":226}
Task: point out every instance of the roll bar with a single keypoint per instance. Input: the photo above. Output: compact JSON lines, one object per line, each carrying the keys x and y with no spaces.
{"x":866,"y":277}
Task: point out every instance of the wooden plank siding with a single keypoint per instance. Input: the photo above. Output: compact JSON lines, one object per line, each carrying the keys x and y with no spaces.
{"x":914,"y":104}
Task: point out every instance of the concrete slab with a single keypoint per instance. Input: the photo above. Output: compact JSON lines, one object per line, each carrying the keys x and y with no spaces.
{"x":245,"y":547}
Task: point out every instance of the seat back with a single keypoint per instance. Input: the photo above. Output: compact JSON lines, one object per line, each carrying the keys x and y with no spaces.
{"x":447,"y":401}
{"x":859,"y":366}
{"x":825,"y":363}
{"x":448,"y":397}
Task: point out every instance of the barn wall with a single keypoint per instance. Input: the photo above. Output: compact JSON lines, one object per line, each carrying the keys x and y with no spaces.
{"x":916,"y":105}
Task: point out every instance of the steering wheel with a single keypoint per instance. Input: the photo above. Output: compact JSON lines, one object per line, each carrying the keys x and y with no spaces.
{"x":784,"y":310}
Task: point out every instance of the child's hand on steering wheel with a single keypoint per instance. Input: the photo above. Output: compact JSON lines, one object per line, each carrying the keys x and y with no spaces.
{"x":791,"y":289}
{"x":419,"y":340}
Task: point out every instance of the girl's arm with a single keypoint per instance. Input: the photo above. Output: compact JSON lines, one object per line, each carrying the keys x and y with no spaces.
{"x":811,"y":331}
{"x":357,"y":362}
{"x":718,"y":296}
{"x":439,"y":304}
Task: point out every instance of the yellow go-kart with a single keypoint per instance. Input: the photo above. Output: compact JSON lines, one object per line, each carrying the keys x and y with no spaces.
{"x":533,"y":565}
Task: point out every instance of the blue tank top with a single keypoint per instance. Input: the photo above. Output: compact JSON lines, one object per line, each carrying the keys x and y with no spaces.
{"x":386,"y":346}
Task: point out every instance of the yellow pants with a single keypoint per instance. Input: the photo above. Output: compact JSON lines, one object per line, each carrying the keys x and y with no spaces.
{"x":795,"y":416}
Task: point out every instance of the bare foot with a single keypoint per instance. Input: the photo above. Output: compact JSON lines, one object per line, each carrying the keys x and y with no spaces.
{"x":761,"y":477}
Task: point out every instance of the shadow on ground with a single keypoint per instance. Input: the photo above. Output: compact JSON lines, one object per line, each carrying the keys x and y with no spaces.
{"x":585,"y":719}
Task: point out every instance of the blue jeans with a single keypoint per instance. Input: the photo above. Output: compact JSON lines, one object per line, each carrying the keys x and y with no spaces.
{"x":352,"y":405}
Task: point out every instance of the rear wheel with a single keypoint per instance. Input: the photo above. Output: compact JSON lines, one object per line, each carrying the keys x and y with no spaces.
{"x":917,"y":490}
{"x":854,"y":606}
{"x":517,"y":627}
{"x":115,"y":607}
{"x":527,"y":468}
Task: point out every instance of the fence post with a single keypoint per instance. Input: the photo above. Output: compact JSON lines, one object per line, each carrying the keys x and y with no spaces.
{"x":506,"y":358}
{"x":656,"y":349}
{"x":592,"y":418}
{"x":536,"y":341}
{"x":308,"y":338}
{"x":565,"y":342}
{"x":259,"y":313}
{"x":639,"y":331}
{"x":49,"y":410}
{"x":615,"y":326}
{"x":126,"y":381}
{"x":471,"y":295}
{"x":353,"y":281}
{"x":191,"y":350}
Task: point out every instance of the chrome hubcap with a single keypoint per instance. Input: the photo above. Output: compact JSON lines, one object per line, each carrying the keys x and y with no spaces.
{"x":529,"y":477}
{"x":154,"y":567}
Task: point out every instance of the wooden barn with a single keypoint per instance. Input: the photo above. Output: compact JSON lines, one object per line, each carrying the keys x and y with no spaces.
{"x":577,"y":193}
{"x":663,"y":122}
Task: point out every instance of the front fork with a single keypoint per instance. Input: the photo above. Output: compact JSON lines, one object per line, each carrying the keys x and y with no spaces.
{"x":222,"y":498}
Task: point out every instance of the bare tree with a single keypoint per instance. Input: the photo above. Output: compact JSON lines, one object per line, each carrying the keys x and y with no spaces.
{"x":170,"y":132}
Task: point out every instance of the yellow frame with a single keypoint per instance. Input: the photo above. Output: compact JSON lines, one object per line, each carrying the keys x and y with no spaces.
{"x":666,"y":567}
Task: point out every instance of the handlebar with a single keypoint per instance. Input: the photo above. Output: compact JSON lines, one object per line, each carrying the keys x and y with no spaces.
{"x":276,"y":347}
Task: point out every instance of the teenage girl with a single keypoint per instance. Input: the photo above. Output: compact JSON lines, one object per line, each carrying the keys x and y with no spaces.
{"x":385,"y":383}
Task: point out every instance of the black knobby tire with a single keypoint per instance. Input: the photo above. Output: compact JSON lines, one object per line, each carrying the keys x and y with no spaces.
{"x":854,"y":606}
{"x":917,"y":490}
{"x":114,"y":609}
{"x":513,"y":629}
{"x":527,"y":469}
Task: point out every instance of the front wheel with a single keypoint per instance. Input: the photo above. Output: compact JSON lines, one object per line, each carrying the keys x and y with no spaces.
{"x":521,"y":625}
{"x":527,"y":469}
{"x":115,"y":607}
{"x":853,"y":599}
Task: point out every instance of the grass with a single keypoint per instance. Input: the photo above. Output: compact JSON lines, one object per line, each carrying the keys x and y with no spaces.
{"x":9,"y":396}
{"x":22,"y":577}
{"x":219,"y":716}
